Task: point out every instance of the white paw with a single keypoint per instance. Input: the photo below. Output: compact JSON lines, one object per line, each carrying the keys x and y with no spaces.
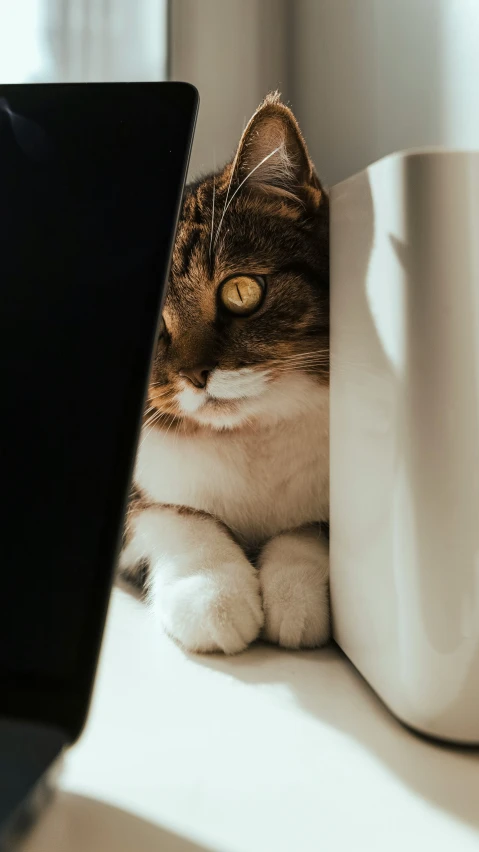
{"x":217,"y":610}
{"x":294,"y":569}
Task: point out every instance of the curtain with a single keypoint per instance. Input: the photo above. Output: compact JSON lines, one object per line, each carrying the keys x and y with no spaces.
{"x":83,"y":40}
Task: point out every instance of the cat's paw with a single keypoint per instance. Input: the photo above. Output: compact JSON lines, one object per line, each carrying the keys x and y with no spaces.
{"x":294,"y":569}
{"x":213,"y":611}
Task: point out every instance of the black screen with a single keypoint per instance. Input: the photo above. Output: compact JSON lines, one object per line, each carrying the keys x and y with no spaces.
{"x":90,"y":183}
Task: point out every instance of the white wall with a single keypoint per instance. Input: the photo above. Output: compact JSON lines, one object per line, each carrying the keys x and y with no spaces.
{"x":373,"y":76}
{"x":234,"y":51}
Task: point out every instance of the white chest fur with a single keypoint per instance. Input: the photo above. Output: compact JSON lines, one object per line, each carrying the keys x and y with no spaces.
{"x":259,"y":482}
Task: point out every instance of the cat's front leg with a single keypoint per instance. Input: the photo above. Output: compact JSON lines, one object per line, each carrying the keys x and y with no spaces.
{"x":202,"y":588}
{"x":294,"y":579}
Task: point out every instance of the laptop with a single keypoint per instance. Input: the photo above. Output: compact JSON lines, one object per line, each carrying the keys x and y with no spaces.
{"x":91,"y":180}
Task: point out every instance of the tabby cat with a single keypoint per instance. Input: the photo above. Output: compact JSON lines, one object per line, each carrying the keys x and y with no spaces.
{"x":232,"y":474}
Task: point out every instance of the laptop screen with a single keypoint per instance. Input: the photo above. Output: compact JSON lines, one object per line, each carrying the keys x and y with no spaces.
{"x":90,"y":184}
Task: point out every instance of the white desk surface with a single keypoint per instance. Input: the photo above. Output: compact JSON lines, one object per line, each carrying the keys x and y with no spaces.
{"x":265,"y":752}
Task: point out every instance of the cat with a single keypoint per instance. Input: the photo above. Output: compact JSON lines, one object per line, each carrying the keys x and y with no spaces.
{"x":231,"y":482}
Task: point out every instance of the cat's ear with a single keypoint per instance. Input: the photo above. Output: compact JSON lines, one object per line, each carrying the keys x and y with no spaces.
{"x":272,"y":155}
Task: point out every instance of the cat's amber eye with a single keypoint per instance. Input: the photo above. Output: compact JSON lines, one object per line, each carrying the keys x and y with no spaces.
{"x":242,"y":294}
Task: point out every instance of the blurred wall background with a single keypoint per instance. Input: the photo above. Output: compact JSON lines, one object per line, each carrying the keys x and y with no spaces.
{"x":370,"y":77}
{"x":365,"y":77}
{"x":234,"y":51}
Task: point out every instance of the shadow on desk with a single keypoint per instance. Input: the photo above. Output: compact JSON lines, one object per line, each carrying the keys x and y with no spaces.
{"x":325,"y":685}
{"x":78,"y":824}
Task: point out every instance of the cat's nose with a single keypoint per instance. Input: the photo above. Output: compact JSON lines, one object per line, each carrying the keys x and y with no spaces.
{"x":198,"y":376}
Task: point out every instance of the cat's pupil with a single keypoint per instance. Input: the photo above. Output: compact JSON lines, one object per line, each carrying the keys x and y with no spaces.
{"x":242,"y":294}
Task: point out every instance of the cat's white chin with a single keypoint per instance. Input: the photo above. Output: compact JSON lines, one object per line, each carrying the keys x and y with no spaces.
{"x":223,"y":404}
{"x":280,"y":399}
{"x":219,"y":414}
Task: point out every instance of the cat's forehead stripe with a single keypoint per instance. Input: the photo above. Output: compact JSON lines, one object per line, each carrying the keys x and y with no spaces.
{"x":188,"y":240}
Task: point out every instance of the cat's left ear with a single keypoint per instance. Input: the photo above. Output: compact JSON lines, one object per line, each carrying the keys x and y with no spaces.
{"x":272,"y":156}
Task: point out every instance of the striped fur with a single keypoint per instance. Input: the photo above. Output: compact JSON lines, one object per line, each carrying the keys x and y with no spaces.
{"x":232,"y":475}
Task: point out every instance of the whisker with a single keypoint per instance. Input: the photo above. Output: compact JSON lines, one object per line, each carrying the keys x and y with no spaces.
{"x":169,"y":427}
{"x":303,"y":362}
{"x":212,"y":217}
{"x":160,"y":395}
{"x":313,"y":352}
{"x":157,"y":411}
{"x":302,"y":356}
{"x":151,"y":424}
{"x":160,"y":385}
{"x":291,"y":365}
{"x":227,"y":203}
{"x":233,"y":168}
{"x":298,"y":364}
{"x":309,"y":362}
{"x":153,"y":418}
